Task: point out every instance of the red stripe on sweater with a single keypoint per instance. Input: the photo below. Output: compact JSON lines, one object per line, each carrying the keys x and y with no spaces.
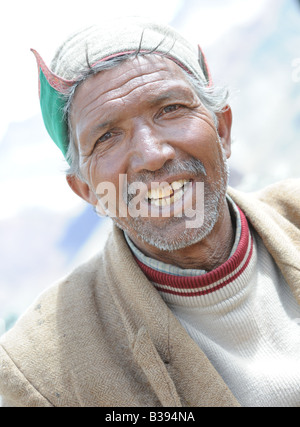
{"x":214,"y":288}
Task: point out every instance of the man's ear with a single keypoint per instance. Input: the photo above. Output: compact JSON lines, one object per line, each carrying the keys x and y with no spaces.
{"x":224,"y":129}
{"x":82,"y":189}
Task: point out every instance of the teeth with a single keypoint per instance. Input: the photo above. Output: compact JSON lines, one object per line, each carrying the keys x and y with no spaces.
{"x":157,"y":194}
{"x":159,"y":202}
{"x":165,"y":192}
{"x":178,"y":195}
{"x":178,"y":184}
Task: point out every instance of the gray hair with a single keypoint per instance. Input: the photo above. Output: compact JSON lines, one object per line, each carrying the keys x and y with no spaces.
{"x":214,"y":99}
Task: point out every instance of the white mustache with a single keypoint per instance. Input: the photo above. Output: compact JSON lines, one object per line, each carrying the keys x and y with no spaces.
{"x":193,"y":167}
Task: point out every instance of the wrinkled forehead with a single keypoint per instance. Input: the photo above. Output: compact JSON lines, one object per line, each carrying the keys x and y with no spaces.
{"x":132,"y":72}
{"x":138,"y":81}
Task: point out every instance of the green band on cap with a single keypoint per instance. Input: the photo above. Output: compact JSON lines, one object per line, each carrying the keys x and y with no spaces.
{"x":52,"y":105}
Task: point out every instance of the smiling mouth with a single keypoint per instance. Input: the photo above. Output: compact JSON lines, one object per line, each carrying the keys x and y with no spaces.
{"x":168,"y":194}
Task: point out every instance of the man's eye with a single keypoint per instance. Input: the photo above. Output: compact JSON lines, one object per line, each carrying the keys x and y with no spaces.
{"x":171,"y":108}
{"x":105,"y":137}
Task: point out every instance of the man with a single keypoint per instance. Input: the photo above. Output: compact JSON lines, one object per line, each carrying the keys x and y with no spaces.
{"x":195,"y":298}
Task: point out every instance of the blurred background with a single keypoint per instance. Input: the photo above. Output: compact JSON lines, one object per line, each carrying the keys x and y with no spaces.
{"x":253,"y":48}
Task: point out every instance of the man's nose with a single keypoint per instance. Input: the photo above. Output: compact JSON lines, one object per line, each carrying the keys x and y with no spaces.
{"x":149,"y":149}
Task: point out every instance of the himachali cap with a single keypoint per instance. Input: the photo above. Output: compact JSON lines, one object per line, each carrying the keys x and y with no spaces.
{"x":101,"y":43}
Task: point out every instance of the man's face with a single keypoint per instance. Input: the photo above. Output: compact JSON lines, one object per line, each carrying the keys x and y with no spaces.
{"x":142,"y":121}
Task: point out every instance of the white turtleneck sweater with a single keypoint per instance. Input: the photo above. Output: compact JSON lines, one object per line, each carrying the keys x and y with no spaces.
{"x":242,"y":315}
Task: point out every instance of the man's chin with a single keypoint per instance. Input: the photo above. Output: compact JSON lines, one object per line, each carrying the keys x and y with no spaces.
{"x":169,"y":235}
